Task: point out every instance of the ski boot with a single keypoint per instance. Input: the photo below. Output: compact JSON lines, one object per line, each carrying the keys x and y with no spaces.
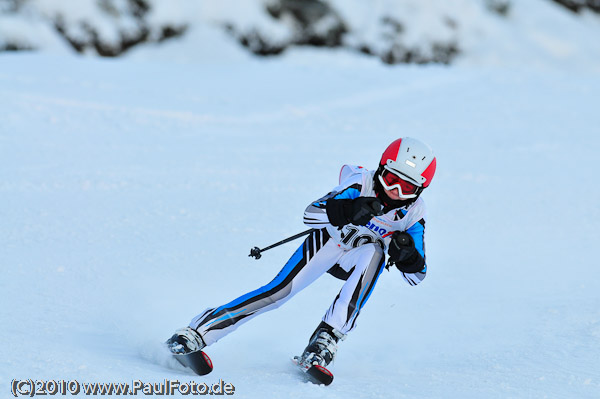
{"x":320,"y":351}
{"x":186,"y":347}
{"x":184,"y":341}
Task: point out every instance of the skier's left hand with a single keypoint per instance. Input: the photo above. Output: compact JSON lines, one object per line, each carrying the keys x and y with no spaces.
{"x":403,"y":253}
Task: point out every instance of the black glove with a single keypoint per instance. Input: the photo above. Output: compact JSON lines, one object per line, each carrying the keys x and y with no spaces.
{"x":357,"y":211}
{"x":403,"y":254}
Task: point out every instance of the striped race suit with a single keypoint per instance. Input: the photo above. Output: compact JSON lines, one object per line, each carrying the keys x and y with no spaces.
{"x":355,"y":254}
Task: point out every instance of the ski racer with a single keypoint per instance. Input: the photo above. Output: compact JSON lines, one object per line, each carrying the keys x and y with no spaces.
{"x":369,"y":214}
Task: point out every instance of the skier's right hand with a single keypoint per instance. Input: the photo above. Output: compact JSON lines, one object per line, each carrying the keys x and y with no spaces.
{"x":358,"y":211}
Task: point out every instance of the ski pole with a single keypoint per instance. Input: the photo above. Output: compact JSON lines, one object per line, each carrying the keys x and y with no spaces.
{"x":256,"y":252}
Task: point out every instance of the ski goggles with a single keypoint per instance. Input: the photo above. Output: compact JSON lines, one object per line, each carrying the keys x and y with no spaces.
{"x":390,"y":180}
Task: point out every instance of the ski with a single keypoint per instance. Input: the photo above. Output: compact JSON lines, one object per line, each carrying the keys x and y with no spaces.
{"x":197,"y":361}
{"x":314,"y":373}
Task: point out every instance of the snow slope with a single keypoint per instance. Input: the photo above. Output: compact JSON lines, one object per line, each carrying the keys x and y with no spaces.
{"x":132,"y":192}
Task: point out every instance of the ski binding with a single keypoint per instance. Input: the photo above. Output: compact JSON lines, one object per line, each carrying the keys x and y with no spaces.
{"x":315,"y":373}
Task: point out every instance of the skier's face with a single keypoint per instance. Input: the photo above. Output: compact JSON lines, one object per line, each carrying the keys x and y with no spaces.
{"x":393,"y":194}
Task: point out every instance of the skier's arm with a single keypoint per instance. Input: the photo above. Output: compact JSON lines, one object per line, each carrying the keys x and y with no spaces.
{"x":315,"y":215}
{"x":410,"y":254}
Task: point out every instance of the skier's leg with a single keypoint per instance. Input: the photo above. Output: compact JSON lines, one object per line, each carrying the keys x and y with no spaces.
{"x":313,"y":258}
{"x":364,"y":264}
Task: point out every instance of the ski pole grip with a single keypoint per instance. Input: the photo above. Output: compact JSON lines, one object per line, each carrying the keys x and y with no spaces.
{"x":404,"y":240}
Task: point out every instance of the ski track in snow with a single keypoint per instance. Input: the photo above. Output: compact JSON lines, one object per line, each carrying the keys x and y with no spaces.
{"x":133,"y":191}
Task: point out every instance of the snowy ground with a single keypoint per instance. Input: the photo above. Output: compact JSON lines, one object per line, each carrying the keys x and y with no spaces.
{"x":132,"y":192}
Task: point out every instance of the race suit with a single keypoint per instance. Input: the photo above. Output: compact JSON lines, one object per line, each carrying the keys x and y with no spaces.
{"x":355,"y":254}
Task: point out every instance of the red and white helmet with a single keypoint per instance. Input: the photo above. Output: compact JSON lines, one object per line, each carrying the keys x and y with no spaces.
{"x":408,"y":165}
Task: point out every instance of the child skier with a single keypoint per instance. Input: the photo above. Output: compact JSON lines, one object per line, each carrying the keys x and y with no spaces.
{"x":366,"y":213}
